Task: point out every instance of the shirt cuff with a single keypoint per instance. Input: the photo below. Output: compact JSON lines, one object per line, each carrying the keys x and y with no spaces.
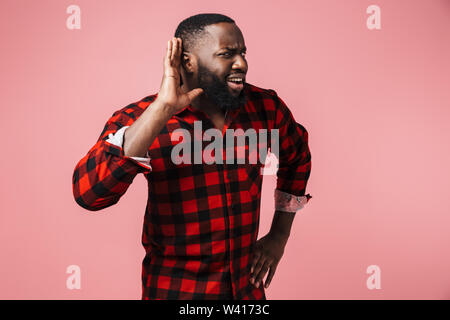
{"x":288,"y":202}
{"x":117,"y":140}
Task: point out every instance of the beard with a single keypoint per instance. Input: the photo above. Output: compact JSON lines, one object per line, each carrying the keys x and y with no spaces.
{"x":217,"y":91}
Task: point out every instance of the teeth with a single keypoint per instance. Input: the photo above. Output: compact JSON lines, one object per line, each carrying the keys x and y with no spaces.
{"x":237,"y":80}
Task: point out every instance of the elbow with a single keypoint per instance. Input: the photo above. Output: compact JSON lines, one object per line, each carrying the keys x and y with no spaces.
{"x":96,"y":187}
{"x":95,"y":204}
{"x":91,"y":201}
{"x":86,"y":196}
{"x":87,"y":205}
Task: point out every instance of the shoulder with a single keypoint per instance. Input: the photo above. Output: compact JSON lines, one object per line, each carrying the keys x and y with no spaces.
{"x":133,"y":110}
{"x":267,"y":100}
{"x":275,"y":105}
{"x":261,"y":100}
{"x":256,"y":92}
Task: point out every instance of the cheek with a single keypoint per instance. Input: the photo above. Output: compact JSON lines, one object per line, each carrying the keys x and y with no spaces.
{"x":222,"y":69}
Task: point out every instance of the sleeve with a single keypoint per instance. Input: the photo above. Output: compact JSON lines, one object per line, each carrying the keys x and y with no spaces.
{"x":117,"y":139}
{"x":104,"y":174}
{"x":294,"y":161}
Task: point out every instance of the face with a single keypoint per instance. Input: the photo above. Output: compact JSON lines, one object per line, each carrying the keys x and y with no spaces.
{"x":222,"y":66}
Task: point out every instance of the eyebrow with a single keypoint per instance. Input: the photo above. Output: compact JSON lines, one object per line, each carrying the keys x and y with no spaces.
{"x":233,"y":48}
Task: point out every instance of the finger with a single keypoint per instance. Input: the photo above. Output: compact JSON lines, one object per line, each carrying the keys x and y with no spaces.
{"x":181,"y":45}
{"x":168,"y":54}
{"x":169,"y":49}
{"x":176,"y":54}
{"x":255,"y":260}
{"x":252,"y":268}
{"x":179,"y":49}
{"x":270,"y":276}
{"x":174,"y":48}
{"x":258,"y":268}
{"x":194,"y":93}
{"x":263,"y":272}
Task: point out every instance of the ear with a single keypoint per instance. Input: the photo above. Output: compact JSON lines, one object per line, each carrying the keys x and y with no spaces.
{"x":188,"y":62}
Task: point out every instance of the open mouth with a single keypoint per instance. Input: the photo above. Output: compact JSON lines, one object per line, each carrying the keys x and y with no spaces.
{"x":235,"y":83}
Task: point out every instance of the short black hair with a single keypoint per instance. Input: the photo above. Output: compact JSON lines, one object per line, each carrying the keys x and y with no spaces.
{"x":191,"y":29}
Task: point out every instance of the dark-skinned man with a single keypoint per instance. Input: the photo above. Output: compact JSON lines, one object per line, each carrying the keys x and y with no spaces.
{"x":201,"y":220}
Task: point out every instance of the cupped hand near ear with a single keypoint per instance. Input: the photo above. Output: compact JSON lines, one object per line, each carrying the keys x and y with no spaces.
{"x":170,"y":93}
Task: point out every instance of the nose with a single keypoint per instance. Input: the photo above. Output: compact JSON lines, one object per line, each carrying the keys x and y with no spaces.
{"x":240,"y":63}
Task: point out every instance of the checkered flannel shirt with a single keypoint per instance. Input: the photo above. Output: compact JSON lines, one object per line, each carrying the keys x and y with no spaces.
{"x":201,"y":220}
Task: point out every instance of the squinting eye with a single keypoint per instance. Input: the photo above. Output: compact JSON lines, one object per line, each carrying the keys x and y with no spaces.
{"x":228,"y":54}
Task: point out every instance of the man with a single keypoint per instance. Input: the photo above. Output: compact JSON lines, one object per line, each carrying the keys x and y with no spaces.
{"x":201,"y":220}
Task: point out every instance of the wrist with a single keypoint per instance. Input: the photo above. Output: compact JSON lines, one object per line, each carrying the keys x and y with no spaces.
{"x":279,"y":235}
{"x":163,"y":108}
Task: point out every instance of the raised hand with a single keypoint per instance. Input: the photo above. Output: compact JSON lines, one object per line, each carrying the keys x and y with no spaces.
{"x":170,"y":93}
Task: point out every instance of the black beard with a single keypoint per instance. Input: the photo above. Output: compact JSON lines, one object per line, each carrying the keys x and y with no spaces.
{"x":217,"y":91}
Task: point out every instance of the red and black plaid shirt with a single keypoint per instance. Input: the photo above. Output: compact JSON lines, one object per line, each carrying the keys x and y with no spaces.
{"x":201,"y":220}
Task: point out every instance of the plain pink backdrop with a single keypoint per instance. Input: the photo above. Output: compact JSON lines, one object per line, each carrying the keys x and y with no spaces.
{"x":376,"y":104}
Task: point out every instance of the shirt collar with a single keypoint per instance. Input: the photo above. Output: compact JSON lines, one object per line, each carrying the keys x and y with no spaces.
{"x":188,"y":108}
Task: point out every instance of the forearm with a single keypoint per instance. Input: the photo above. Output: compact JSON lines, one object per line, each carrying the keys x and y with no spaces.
{"x":142,"y":133}
{"x":281,"y":224}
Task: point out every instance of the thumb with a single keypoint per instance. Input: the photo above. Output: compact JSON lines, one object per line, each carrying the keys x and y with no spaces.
{"x":194,"y":93}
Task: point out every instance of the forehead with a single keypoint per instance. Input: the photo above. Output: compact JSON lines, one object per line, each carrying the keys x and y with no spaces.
{"x":222,"y":35}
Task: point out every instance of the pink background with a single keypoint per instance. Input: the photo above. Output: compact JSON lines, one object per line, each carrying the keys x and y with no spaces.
{"x":375,"y":102}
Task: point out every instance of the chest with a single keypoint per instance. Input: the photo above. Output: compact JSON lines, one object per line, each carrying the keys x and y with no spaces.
{"x":218,"y":122}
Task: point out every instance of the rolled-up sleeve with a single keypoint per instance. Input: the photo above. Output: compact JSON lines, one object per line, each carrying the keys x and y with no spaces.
{"x":118,"y":139}
{"x":104,"y":174}
{"x":294,"y":167}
